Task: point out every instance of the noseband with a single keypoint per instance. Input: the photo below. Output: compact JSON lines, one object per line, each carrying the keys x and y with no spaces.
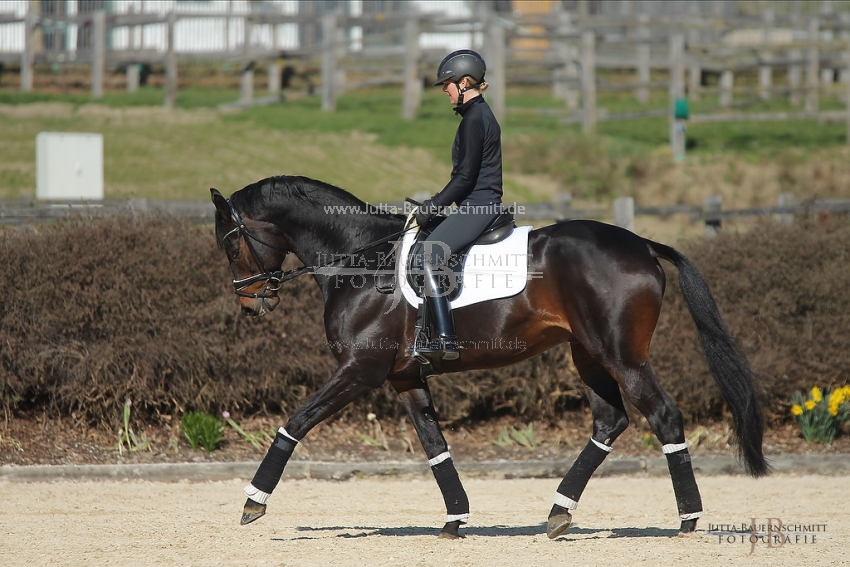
{"x":274,"y":279}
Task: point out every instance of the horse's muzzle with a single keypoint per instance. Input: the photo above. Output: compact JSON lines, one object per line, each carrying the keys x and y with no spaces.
{"x":260,"y":306}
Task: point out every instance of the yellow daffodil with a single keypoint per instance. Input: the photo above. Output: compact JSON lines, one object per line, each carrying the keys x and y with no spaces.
{"x":810,"y":405}
{"x":796,"y":409}
{"x":816,"y":394}
{"x":836,"y":398}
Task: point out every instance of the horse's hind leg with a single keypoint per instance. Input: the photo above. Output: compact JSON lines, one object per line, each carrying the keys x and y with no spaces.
{"x":643,"y":390}
{"x":417,"y":400}
{"x":609,"y":421}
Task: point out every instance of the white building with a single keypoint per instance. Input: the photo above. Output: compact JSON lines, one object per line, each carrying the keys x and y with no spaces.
{"x":214,"y":34}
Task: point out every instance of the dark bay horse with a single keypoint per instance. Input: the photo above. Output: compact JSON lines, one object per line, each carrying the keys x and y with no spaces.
{"x":600,"y":291}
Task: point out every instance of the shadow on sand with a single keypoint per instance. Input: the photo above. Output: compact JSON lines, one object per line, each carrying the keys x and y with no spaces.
{"x":351,"y":532}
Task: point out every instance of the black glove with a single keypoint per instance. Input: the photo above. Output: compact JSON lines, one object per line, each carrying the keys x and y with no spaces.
{"x":424,"y":213}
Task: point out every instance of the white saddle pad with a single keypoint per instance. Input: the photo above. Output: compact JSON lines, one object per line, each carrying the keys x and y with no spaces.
{"x":490,"y":271}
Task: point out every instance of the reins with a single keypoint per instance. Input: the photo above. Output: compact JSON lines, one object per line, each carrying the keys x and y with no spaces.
{"x":275,"y":279}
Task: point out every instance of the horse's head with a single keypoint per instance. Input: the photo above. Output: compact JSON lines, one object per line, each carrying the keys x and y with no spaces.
{"x":250,"y":245}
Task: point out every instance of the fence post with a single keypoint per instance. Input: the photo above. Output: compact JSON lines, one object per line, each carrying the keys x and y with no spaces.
{"x":227,"y":26}
{"x":712,"y":204}
{"x":131,"y":31}
{"x":765,"y":70}
{"x":329,"y":90}
{"x":588,"y":81}
{"x":643,"y":60}
{"x":827,"y":76}
{"x":274,"y":77}
{"x":786,"y":200}
{"x":694,"y":69}
{"x":794,"y":76}
{"x":98,"y":62}
{"x":812,"y":65}
{"x":844,"y":36}
{"x":677,"y":91}
{"x":565,"y":74}
{"x":132,"y":75}
{"x":132,"y":72}
{"x":495,"y":57}
{"x":246,"y":80}
{"x":28,"y":56}
{"x":727,"y":84}
{"x":171,"y":64}
{"x":412,"y":80}
{"x":847,"y":93}
{"x":562,"y":203}
{"x":274,"y":65}
{"x":624,"y":212}
{"x":765,"y":76}
{"x":677,"y":66}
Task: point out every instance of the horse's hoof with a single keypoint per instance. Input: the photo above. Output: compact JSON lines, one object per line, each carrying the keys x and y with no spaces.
{"x":450,"y":531}
{"x":558,"y":523}
{"x":688,"y":527}
{"x":252,"y":511}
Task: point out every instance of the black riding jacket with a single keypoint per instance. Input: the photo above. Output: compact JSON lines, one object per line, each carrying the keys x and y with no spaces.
{"x":476,"y":158}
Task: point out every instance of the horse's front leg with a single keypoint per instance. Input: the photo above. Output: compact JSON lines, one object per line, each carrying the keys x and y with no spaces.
{"x":351,"y":379}
{"x":417,"y":400}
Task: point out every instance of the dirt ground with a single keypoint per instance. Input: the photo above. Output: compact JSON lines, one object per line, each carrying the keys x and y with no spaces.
{"x":622,"y":520}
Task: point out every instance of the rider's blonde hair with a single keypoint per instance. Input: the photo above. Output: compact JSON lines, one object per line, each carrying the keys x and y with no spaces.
{"x":480,"y":87}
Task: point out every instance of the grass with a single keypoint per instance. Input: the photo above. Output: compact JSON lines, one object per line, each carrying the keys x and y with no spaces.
{"x":202,"y":430}
{"x":367,"y":148}
{"x":126,"y":436}
{"x":151,"y":152}
{"x":523,"y":437}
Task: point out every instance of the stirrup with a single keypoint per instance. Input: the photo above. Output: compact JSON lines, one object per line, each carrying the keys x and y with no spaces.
{"x":445,"y":348}
{"x":419,"y":340}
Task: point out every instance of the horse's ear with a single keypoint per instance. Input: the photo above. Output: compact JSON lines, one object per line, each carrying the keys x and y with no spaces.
{"x":220,"y":202}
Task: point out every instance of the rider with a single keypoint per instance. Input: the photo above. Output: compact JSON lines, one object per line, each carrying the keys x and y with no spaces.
{"x":475,"y":186}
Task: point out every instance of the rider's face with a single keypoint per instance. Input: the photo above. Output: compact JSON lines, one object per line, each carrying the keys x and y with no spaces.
{"x":451,"y":89}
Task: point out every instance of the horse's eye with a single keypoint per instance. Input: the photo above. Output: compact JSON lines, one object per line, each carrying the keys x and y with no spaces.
{"x":235,"y":253}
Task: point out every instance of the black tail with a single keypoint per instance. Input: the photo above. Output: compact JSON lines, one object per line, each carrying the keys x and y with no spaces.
{"x":725,"y":360}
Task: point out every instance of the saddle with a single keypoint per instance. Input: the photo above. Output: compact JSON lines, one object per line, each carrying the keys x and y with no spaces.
{"x":499,"y":229}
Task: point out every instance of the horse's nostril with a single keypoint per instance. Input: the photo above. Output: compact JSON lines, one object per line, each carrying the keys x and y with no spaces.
{"x":247,"y":311}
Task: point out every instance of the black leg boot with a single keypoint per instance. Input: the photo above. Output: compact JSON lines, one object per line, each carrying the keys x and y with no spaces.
{"x":444,"y":345}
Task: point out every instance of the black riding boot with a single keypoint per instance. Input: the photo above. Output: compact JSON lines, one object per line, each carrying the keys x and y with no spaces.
{"x":444,"y":345}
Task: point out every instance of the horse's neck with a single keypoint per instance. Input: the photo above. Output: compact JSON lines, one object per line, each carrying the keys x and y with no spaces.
{"x":319,"y":232}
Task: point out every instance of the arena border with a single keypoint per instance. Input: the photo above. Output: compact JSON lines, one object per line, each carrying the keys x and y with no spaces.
{"x":200,"y":472}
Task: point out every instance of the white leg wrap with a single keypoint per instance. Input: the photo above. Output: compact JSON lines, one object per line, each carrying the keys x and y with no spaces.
{"x":462,"y":518}
{"x":283,"y":432}
{"x":673,"y":447}
{"x":256,"y":494}
{"x":692,"y":516}
{"x":565,"y":502}
{"x":602,"y":446}
{"x":439,"y":459}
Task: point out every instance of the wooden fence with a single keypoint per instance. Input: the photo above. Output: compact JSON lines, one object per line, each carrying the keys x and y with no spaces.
{"x":622,"y":212}
{"x":567,"y":50}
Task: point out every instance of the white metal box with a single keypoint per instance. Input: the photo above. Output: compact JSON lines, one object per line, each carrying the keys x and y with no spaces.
{"x":69,"y":166}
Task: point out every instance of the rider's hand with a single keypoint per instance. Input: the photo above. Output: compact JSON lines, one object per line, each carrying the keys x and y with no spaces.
{"x":424,"y":213}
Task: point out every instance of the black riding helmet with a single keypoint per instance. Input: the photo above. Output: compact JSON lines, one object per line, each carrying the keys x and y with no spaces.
{"x":459,"y":64}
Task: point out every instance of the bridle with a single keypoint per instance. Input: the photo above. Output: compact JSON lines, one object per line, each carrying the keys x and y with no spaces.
{"x":275,"y":279}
